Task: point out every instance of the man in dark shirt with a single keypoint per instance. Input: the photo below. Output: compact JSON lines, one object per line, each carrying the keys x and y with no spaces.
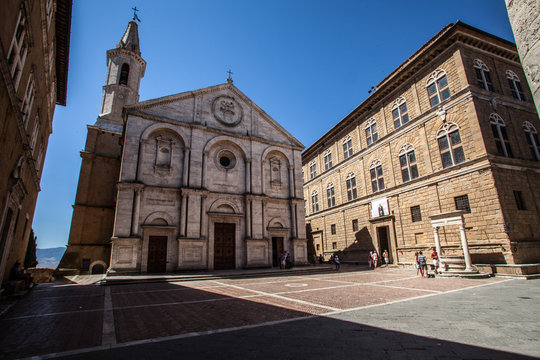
{"x":422,"y":262}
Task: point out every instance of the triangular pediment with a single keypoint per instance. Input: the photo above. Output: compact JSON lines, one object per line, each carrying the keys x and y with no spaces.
{"x":223,"y":107}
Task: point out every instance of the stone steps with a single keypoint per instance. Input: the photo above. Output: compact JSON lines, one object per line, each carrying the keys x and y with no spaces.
{"x":216,"y":275}
{"x":472,"y":274}
{"x":455,"y":267}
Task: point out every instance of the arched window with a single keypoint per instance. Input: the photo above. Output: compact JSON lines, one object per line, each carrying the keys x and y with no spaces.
{"x":483,"y":77}
{"x":330,"y":195}
{"x":498,"y":128}
{"x":347,"y":147}
{"x":35,"y":132}
{"x":28,"y":100}
{"x":39,"y":159}
{"x":351,"y":187}
{"x":327,"y":160}
{"x":314,"y":201}
{"x":312,"y":170}
{"x":376,"y":172}
{"x":124,"y":74}
{"x":371,"y":131}
{"x":16,"y":56}
{"x":515,"y":85}
{"x":450,"y":144}
{"x":399,"y":112}
{"x":532,"y":140}
{"x":407,"y":162}
{"x":437,"y":87}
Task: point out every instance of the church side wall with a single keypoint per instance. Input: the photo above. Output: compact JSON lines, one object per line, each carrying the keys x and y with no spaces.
{"x":93,"y":213}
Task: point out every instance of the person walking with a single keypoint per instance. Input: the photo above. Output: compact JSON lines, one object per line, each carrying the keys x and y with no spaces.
{"x":386,"y":258}
{"x":423,"y":264}
{"x":375,"y":259}
{"x":336,"y":262}
{"x":370,"y":259}
{"x":282,"y":260}
{"x":416,"y":263}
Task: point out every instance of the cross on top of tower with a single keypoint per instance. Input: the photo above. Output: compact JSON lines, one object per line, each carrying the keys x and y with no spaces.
{"x":229,"y":79}
{"x":135,"y":17}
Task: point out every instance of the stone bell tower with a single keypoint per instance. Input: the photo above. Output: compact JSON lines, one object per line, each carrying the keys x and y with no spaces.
{"x":88,"y":249}
{"x":124,"y":73}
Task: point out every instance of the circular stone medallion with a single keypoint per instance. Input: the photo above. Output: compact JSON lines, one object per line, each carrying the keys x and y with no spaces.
{"x":227,"y":110}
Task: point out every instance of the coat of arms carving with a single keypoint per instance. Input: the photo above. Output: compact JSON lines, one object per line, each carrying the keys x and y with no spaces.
{"x":227,"y":110}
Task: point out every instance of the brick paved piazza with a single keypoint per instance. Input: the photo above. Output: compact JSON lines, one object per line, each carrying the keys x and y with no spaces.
{"x":354,"y":313}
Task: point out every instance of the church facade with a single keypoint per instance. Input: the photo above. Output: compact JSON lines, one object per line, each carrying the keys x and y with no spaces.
{"x":198,"y":180}
{"x":444,"y":154}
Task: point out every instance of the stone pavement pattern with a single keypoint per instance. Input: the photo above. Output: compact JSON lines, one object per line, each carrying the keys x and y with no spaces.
{"x":370,"y":314}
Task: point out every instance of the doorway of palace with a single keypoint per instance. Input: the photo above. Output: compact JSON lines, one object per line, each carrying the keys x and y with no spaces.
{"x":277,"y":248}
{"x":317,"y":242}
{"x":157,"y":254}
{"x":384,"y":241}
{"x":224,"y":246}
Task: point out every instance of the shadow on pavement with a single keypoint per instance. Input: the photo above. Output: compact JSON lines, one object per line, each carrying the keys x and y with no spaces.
{"x":314,"y":338}
{"x":56,"y":319}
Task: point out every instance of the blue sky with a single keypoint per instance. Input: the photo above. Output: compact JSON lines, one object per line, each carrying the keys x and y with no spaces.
{"x":306,"y":63}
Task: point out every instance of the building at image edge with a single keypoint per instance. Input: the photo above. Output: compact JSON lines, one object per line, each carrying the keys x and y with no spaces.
{"x":452,"y":133}
{"x":34,"y":58}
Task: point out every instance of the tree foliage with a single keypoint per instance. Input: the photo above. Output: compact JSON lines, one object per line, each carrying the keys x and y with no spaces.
{"x":30,"y":260}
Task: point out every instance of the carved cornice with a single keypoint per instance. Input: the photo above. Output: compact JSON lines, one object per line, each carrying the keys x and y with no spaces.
{"x":221,"y":214}
{"x":80,"y":205}
{"x":129,"y":53}
{"x":212,"y":89}
{"x":130,"y":186}
{"x":120,"y":88}
{"x":90,"y":155}
{"x":383,"y":218}
{"x":193,"y":191}
{"x":192,"y":126}
{"x":443,"y":42}
{"x":255,"y":197}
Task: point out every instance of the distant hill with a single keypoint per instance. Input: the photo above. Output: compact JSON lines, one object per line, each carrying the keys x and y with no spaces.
{"x":49,"y":258}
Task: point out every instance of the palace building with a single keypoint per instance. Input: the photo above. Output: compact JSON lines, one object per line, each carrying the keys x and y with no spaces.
{"x":34,"y":57}
{"x":444,"y":154}
{"x":203,"y":179}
